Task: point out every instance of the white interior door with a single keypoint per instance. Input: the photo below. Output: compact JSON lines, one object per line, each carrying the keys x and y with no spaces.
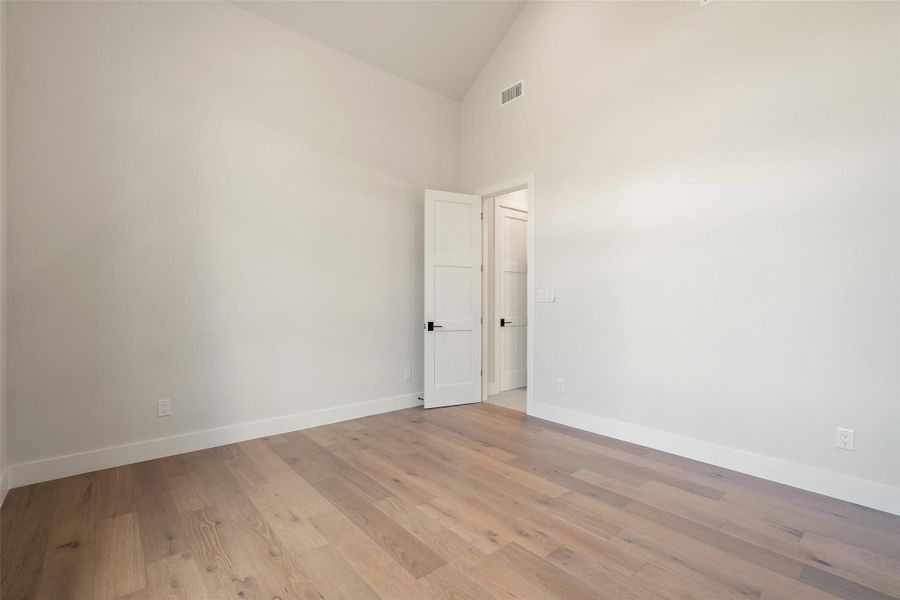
{"x":452,"y":299}
{"x":511,"y":321}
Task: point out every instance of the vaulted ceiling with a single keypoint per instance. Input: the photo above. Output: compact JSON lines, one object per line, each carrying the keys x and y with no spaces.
{"x":441,"y":45}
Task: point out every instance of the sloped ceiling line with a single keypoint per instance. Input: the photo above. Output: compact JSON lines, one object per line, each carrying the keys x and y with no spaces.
{"x":439,"y":45}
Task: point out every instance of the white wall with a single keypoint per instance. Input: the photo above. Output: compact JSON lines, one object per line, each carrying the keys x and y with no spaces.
{"x":200,"y":199}
{"x":206,"y":207}
{"x":4,"y":481}
{"x":717,"y":205}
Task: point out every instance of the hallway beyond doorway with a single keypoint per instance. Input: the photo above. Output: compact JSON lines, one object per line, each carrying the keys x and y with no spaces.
{"x":512,"y":399}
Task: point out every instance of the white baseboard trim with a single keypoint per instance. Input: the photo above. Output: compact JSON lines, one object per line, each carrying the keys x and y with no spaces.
{"x":113,"y":456}
{"x":829,"y":483}
{"x":4,"y":485}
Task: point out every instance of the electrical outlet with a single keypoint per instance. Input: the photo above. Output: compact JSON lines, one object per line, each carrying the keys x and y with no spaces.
{"x":846,"y":439}
{"x":544,"y":295}
{"x":163,"y":408}
{"x":407,"y":374}
{"x":560,"y":385}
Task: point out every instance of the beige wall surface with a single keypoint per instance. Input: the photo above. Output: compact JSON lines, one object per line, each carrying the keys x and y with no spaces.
{"x":206,"y":207}
{"x":716,"y":204}
{"x":210,"y":208}
{"x":4,"y":481}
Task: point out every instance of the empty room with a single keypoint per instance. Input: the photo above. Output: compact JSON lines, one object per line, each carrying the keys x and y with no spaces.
{"x":450,"y":300}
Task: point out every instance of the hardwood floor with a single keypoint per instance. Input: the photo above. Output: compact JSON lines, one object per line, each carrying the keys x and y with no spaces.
{"x":466,"y":502}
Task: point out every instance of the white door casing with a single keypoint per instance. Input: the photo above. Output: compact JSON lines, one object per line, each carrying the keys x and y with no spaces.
{"x":452,"y":369}
{"x":510,"y":296}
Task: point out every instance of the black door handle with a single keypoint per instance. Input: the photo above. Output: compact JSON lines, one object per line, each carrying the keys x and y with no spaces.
{"x":504,"y":322}
{"x":431,"y":326}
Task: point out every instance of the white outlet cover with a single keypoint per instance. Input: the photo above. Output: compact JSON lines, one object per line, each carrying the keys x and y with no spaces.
{"x":163,"y":408}
{"x":407,"y":374}
{"x":560,"y":385}
{"x":845,"y":439}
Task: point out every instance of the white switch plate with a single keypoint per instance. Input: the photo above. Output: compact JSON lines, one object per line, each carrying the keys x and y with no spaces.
{"x":543,"y":295}
{"x":560,"y":385}
{"x":407,"y":374}
{"x":163,"y":408}
{"x":846,"y":439}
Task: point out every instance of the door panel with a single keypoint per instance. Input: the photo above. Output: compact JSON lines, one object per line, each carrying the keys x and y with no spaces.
{"x":452,"y":294}
{"x":511,"y":228}
{"x":515,"y":300}
{"x":454,"y":352}
{"x":452,"y":299}
{"x":453,"y":233}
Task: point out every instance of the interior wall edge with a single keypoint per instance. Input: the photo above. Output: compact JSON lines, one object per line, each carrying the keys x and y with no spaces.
{"x":864,"y":492}
{"x":54,"y":467}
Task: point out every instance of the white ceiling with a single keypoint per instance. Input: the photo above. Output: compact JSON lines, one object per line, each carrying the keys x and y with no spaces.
{"x":441,"y":45}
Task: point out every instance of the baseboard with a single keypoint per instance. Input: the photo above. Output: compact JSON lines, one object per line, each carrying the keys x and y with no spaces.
{"x":113,"y":456}
{"x":4,"y":485}
{"x":829,"y":483}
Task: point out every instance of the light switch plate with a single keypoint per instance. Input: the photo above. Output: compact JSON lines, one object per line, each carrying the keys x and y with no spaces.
{"x":543,"y":295}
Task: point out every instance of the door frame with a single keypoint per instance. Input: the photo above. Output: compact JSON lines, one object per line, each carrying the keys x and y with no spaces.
{"x":486,"y":192}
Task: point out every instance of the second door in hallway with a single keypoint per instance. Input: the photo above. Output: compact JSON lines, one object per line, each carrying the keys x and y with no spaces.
{"x":511,"y":274}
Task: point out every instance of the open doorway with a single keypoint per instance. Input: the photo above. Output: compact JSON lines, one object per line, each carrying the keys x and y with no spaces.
{"x":479,"y":296}
{"x":505,"y":233}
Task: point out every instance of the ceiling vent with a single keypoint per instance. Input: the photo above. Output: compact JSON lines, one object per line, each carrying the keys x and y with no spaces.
{"x":512,"y":93}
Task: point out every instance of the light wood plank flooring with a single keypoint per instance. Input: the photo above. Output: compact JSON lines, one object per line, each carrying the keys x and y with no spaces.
{"x":467,"y":502}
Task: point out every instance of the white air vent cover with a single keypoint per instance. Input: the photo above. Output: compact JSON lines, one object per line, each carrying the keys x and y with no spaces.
{"x":513,"y":92}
